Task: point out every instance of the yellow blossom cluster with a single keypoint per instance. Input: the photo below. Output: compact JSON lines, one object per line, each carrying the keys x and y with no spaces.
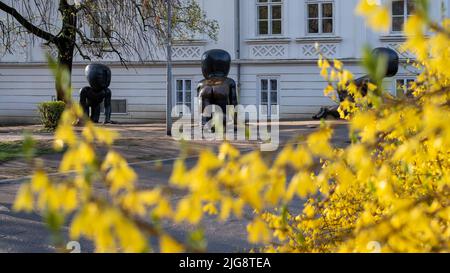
{"x":377,"y":15}
{"x":388,"y":191}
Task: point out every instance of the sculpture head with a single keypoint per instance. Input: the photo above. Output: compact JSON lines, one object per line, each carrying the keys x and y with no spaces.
{"x":98,"y":76}
{"x":391,"y":57}
{"x":216,"y":63}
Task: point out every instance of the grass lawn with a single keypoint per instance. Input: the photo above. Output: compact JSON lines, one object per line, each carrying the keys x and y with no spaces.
{"x":11,"y":150}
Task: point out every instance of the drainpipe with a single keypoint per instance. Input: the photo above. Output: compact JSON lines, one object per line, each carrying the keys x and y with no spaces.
{"x":237,"y":31}
{"x":169,"y":69}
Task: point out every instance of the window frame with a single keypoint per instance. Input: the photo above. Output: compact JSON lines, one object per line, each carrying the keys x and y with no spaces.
{"x":269,"y":78}
{"x":102,"y":20}
{"x":320,"y":17}
{"x":192,"y":91}
{"x":113,"y":113}
{"x":406,"y":80}
{"x":269,"y":19}
{"x":405,"y":16}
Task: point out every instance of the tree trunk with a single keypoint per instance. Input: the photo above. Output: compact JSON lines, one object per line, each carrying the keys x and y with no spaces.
{"x":66,"y":45}
{"x":65,"y":61}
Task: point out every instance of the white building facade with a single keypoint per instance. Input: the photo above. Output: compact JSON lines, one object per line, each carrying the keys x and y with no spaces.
{"x":272,"y":44}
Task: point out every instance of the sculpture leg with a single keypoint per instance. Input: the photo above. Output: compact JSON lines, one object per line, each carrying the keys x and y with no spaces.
{"x":223,"y":107}
{"x":95,"y":113}
{"x":206,"y":116}
{"x":334,"y":111}
{"x":108,"y":106}
{"x":205,"y":95}
{"x":323,"y":113}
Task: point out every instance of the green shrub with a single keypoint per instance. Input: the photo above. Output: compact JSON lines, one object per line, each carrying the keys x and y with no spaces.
{"x":50,"y":112}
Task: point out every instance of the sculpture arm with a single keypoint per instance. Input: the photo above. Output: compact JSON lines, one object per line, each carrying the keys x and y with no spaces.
{"x":84,"y":99}
{"x":234,"y":98}
{"x":199,"y":97}
{"x":204,"y":95}
{"x":204,"y":98}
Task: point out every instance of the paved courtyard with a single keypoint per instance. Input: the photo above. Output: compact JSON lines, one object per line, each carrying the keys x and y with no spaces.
{"x":151,"y":154}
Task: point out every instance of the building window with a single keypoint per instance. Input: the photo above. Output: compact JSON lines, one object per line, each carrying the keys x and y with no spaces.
{"x":269,"y":90}
{"x":101,"y":27}
{"x":184,"y":92}
{"x":320,"y":16}
{"x":401,"y":10}
{"x":403,"y":87}
{"x":270,"y":20}
{"x":117,"y":107}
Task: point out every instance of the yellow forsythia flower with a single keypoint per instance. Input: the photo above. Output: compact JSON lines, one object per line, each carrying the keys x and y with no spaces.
{"x":39,"y":181}
{"x":24,"y":199}
{"x":210,"y":208}
{"x":258,"y":232}
{"x":169,"y":245}
{"x":318,"y":142}
{"x":377,"y":15}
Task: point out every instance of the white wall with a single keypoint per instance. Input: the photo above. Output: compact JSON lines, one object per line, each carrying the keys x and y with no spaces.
{"x":25,"y":80}
{"x":23,"y":87}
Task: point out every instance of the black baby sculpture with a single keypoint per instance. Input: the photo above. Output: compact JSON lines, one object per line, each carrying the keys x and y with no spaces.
{"x":391,"y":70}
{"x":91,"y":97}
{"x":216,"y":88}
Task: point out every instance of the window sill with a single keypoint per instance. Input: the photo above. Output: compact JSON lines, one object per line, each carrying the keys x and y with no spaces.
{"x":104,"y":40}
{"x":319,"y":39}
{"x":269,"y":40}
{"x":397,"y":37}
{"x":394,"y":37}
{"x":192,"y":42}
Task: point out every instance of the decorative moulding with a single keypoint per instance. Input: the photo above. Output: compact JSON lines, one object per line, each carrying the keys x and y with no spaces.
{"x":268,"y":51}
{"x":49,"y":49}
{"x":309,"y":50}
{"x":398,"y":47}
{"x":187,"y":52}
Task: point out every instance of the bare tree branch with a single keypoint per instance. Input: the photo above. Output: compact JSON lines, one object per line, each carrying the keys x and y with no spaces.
{"x":26,"y":24}
{"x":131,"y":30}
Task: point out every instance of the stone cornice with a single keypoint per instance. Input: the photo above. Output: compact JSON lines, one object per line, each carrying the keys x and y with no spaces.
{"x":393,"y":38}
{"x":268,"y":40}
{"x":193,"y":42}
{"x":319,"y":39}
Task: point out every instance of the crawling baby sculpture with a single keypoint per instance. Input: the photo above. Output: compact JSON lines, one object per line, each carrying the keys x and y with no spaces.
{"x":91,"y":97}
{"x":216,"y":88}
